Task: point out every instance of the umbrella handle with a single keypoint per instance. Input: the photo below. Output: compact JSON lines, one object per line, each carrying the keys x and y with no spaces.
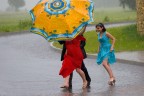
{"x":83,"y":30}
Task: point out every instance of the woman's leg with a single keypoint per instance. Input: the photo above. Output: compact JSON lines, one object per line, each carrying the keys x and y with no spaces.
{"x":81,"y":73}
{"x":108,"y":69}
{"x":66,"y":82}
{"x":84,"y":69}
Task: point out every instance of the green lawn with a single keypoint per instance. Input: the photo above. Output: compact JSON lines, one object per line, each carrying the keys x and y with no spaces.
{"x":114,"y":16}
{"x":14,"y":21}
{"x":13,"y":18}
{"x":127,"y":39}
{"x":22,"y":20}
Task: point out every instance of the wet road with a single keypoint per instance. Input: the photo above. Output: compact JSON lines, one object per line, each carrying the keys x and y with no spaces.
{"x":29,"y":67}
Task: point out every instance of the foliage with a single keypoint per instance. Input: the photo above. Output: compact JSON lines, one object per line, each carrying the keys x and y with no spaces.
{"x":23,"y":24}
{"x":16,"y":3}
{"x":131,"y":4}
{"x":106,"y":19}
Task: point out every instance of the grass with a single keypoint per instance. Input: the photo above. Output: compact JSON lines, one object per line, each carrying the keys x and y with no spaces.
{"x":127,"y":39}
{"x":113,"y":15}
{"x":10,"y":22}
{"x":8,"y":18}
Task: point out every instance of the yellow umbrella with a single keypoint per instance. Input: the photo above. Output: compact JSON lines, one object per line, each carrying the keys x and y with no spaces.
{"x":61,"y":19}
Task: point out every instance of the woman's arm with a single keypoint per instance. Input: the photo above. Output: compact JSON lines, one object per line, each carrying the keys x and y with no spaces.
{"x":82,"y":44}
{"x":98,"y":48}
{"x":112,"y":38}
{"x":61,"y":42}
{"x":83,"y":30}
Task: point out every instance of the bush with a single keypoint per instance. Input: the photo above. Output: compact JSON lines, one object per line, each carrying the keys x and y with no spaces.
{"x":23,"y":24}
{"x":106,"y":19}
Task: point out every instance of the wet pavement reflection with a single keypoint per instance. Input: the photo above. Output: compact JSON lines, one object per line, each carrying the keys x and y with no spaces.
{"x":29,"y":67}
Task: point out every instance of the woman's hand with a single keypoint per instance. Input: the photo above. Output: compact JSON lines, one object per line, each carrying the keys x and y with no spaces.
{"x":111,"y":49}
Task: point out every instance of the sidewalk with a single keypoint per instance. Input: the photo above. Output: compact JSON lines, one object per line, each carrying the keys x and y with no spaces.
{"x":131,"y":57}
{"x":137,"y":56}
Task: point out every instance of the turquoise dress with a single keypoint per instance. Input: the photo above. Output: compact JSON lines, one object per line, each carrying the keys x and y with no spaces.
{"x":104,"y":50}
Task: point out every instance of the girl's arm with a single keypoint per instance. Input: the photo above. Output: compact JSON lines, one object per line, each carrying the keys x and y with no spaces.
{"x":98,"y":45}
{"x":98,"y":48}
{"x":113,"y":40}
{"x":82,"y":44}
{"x":83,"y":30}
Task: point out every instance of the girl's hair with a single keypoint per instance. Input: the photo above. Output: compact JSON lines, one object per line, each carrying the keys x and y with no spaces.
{"x":102,"y":26}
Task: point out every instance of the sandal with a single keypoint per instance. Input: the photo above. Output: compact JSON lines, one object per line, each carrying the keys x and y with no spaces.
{"x":112,"y":82}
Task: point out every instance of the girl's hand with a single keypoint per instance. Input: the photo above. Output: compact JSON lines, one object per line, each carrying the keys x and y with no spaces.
{"x":111,"y":49}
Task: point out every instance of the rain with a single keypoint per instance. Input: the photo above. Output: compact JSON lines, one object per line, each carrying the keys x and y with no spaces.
{"x":104,"y":11}
{"x":31,"y":3}
{"x":30,"y":64}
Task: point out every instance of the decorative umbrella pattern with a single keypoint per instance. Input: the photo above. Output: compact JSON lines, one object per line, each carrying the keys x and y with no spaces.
{"x":61,"y":19}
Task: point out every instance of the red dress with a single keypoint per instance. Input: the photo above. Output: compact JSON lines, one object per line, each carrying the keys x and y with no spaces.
{"x":73,"y":57}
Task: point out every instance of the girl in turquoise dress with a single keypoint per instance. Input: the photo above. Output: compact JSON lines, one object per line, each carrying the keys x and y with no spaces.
{"x":106,"y":54}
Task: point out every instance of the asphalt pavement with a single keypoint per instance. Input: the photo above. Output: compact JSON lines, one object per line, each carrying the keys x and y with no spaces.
{"x":29,"y":67}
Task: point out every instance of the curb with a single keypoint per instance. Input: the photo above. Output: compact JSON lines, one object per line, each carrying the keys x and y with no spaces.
{"x":108,"y":23}
{"x":93,"y":56}
{"x":28,"y":31}
{"x":14,"y":33}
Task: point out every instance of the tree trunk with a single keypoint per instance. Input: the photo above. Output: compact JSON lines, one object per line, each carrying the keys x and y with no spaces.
{"x":140,"y":16}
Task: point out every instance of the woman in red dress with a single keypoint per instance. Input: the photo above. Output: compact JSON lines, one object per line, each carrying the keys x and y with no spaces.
{"x":73,"y":60}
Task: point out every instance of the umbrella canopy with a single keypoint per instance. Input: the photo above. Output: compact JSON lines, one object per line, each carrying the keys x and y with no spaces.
{"x":61,"y":19}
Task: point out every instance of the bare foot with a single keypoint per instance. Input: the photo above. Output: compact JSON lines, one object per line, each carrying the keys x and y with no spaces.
{"x":64,"y":86}
{"x":85,"y":84}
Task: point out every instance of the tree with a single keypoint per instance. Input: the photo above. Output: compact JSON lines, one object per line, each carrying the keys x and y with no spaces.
{"x":140,"y":16}
{"x":122,"y":3}
{"x":16,"y":4}
{"x":131,"y":4}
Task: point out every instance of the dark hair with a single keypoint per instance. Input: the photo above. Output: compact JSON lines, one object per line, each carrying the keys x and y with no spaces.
{"x":102,"y":26}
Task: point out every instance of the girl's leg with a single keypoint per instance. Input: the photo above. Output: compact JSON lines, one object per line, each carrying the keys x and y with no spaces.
{"x":112,"y":72}
{"x":108,"y":69}
{"x":81,"y":73}
{"x":66,"y":82}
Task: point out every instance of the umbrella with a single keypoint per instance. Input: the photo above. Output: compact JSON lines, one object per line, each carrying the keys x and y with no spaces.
{"x":61,"y":19}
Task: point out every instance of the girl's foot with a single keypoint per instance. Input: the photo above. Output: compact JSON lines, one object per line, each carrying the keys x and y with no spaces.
{"x":112,"y":81}
{"x":65,"y":86}
{"x":85,"y":84}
